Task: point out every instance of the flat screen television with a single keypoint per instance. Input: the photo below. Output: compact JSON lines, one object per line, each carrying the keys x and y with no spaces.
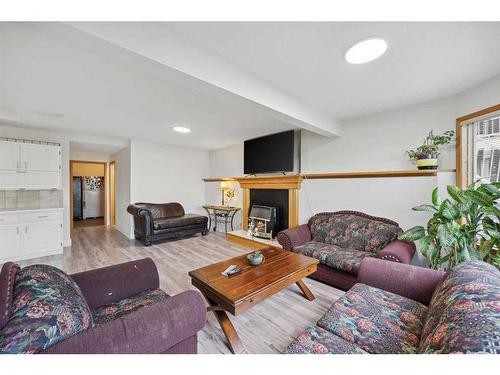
{"x":272,"y":153}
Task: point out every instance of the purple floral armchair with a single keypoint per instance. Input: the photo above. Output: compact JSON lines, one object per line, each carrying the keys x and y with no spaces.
{"x":341,"y":240}
{"x":112,"y":310}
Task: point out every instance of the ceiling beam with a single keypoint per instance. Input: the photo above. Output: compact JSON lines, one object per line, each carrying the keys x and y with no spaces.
{"x":160,"y":43}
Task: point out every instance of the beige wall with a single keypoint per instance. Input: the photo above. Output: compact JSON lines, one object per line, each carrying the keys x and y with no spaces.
{"x":88,"y":169}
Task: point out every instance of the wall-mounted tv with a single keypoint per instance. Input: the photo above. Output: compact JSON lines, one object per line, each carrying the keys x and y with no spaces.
{"x":272,"y":153}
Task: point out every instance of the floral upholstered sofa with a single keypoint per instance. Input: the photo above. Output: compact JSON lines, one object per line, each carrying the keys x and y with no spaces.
{"x":398,"y":308}
{"x":341,"y":240}
{"x":118,"y":309}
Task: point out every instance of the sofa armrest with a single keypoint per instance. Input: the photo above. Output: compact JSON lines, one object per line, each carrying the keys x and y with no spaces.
{"x":416,"y":283}
{"x":295,"y":236}
{"x":111,"y":284}
{"x":152,"y":329}
{"x":398,"y":251}
{"x":138,"y":211}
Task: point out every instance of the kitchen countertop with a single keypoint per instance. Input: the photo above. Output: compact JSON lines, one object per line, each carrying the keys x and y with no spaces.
{"x":20,"y":210}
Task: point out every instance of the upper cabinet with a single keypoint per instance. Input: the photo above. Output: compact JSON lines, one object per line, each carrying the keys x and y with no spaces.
{"x":27,"y":166}
{"x":40,"y":158}
{"x":10,"y":156}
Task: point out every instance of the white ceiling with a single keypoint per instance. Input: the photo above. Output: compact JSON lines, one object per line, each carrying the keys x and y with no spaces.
{"x":425,"y":60}
{"x":228,"y":81}
{"x":55,"y":77}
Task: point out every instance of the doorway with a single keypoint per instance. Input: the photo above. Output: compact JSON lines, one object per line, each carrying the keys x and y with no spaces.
{"x":88,"y":192}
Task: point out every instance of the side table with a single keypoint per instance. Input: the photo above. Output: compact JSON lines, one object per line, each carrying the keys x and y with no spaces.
{"x":221,"y":214}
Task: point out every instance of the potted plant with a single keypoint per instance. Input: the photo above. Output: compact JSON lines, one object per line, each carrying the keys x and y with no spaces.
{"x":426,"y":155}
{"x":467,"y":226}
{"x":255,"y":258}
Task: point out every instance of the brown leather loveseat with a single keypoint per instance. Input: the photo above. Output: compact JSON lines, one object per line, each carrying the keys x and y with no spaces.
{"x":159,"y":221}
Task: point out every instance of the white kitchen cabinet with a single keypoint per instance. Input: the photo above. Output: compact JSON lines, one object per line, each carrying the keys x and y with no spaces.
{"x":36,"y":157}
{"x":10,"y":155}
{"x":26,"y":234}
{"x":40,"y":238}
{"x":41,"y":180}
{"x":29,"y":166}
{"x":10,"y":241}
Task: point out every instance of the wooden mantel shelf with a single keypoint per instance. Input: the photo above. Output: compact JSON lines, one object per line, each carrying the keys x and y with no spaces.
{"x":333,"y":175}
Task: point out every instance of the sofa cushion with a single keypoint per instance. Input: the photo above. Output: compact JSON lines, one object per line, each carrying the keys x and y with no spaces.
{"x":188,"y":219}
{"x":347,"y":260}
{"x":375,"y":320}
{"x":7,"y":278}
{"x":163,"y":210}
{"x":125,"y":306}
{"x":464,"y":312}
{"x":316,"y":340}
{"x":48,"y":307}
{"x":353,"y":231}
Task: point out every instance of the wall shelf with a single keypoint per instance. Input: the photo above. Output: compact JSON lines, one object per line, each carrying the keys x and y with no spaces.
{"x":335,"y":175}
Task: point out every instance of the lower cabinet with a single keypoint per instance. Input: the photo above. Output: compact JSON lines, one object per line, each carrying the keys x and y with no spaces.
{"x":30,"y":234}
{"x":10,"y":242}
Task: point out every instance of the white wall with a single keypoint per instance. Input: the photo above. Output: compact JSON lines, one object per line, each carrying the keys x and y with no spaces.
{"x":148,"y":172}
{"x":122,"y":191}
{"x":374,"y":142}
{"x":226,"y":162}
{"x":89,"y":156}
{"x":379,"y":141}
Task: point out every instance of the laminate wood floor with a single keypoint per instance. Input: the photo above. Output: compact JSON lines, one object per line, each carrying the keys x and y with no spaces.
{"x":267,"y":328}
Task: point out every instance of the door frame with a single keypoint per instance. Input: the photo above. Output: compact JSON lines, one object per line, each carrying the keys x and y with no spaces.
{"x":112,"y":193}
{"x":105,"y":164}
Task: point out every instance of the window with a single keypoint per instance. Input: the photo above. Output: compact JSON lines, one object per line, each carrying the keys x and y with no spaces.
{"x":478,"y":147}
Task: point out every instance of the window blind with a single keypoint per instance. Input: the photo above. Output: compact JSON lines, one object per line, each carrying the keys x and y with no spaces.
{"x":481,"y":149}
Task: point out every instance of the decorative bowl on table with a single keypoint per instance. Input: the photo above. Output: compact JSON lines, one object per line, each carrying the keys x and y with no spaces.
{"x":255,"y":258}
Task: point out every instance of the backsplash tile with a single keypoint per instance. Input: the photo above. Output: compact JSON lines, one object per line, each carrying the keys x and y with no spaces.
{"x":31,"y":199}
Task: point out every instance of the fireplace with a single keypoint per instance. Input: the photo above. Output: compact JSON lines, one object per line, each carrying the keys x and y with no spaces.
{"x":281,"y":192}
{"x":263,"y":221}
{"x":275,"y":198}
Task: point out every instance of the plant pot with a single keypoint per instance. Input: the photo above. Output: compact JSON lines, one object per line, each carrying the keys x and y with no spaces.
{"x":255,"y":261}
{"x":427,"y":161}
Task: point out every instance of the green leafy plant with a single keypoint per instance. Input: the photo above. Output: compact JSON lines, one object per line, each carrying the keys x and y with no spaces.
{"x":431,"y":144}
{"x":461,"y":228}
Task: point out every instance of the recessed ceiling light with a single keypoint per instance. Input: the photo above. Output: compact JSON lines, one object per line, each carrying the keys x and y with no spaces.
{"x":182,"y":129}
{"x":365,"y":51}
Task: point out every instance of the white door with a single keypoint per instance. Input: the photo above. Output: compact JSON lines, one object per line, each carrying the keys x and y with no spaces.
{"x":40,"y":157}
{"x":41,"y":237}
{"x":11,"y":180}
{"x":9,"y":242}
{"x":9,"y":155}
{"x":34,"y":180}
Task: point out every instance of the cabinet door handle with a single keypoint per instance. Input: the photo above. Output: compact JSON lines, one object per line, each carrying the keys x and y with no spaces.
{"x":18,"y":165}
{"x":26,"y":229}
{"x":17,"y":230}
{"x":43,"y":216}
{"x":25,"y":165}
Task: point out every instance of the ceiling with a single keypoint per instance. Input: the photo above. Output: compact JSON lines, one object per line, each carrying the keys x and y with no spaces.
{"x":424,"y":61}
{"x":228,"y":81}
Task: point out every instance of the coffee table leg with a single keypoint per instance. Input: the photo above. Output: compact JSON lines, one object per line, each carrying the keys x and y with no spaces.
{"x":229,"y":331}
{"x":307,"y":293}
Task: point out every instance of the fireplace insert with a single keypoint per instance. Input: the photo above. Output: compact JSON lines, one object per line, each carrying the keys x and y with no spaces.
{"x":263,"y":221}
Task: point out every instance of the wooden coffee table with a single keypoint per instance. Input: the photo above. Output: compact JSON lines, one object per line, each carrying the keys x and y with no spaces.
{"x":236,"y":294}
